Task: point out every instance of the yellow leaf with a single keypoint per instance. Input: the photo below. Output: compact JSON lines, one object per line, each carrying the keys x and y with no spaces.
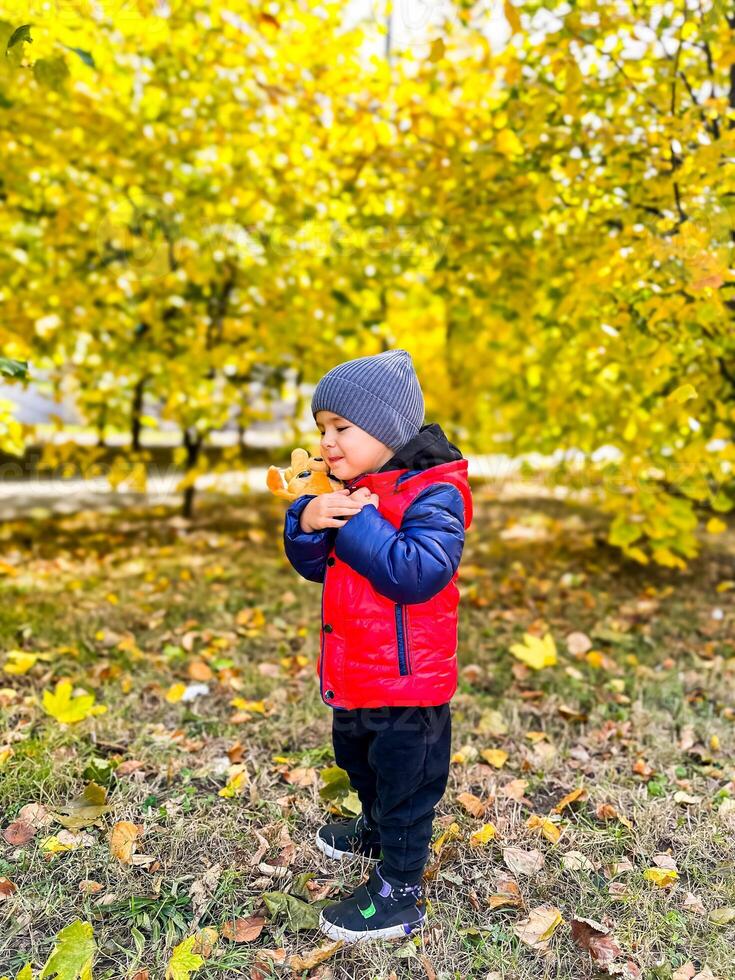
{"x":496,"y":757}
{"x":577,"y":794}
{"x":483,"y":835}
{"x":437,"y":50}
{"x":512,"y":16}
{"x":682,"y":394}
{"x":19,"y":662}
{"x":73,"y":953}
{"x":450,"y":833}
{"x":547,"y":827}
{"x":594,"y":659}
{"x":715,"y":526}
{"x":184,"y":960}
{"x":5,"y":754}
{"x":67,"y":709}
{"x":535,"y":737}
{"x":508,"y":143}
{"x":54,"y":846}
{"x":539,"y":927}
{"x":536,"y":653}
{"x":245,"y":705}
{"x":175,"y":692}
{"x":661,"y":877}
{"x":235,"y":784}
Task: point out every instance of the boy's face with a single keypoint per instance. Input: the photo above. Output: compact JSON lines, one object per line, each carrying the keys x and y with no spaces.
{"x":358,"y":451}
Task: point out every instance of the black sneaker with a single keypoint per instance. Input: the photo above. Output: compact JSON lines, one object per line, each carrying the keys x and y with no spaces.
{"x":351,"y":839}
{"x":375,"y":910}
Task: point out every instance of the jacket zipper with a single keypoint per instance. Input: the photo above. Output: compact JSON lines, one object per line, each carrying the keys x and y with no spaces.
{"x":408,"y":644}
{"x":321,"y":642}
{"x":401,"y":635}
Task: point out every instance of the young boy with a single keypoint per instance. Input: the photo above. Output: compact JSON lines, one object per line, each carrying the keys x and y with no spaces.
{"x":386,"y":548}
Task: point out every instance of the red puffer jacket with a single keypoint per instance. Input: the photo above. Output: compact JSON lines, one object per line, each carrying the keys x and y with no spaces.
{"x":389,"y":598}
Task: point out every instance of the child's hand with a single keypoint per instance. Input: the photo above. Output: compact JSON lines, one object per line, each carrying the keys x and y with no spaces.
{"x":366,"y":497}
{"x":331,"y":510}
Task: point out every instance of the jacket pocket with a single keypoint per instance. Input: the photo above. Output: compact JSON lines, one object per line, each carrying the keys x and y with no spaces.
{"x":402,"y":643}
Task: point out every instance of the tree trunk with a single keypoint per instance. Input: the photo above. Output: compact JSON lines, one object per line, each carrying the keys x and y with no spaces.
{"x":136,"y":426}
{"x":193,"y":444}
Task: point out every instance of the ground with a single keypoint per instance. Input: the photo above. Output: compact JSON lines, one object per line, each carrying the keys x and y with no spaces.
{"x":143,"y":608}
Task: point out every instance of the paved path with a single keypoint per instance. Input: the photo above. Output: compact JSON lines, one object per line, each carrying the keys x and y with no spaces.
{"x":68,"y":496}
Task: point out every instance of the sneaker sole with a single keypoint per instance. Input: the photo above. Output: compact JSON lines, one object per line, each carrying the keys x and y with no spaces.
{"x":337,"y":855}
{"x":350,"y":936}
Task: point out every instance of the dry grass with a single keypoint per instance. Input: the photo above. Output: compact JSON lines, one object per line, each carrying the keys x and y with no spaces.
{"x":664,"y":692}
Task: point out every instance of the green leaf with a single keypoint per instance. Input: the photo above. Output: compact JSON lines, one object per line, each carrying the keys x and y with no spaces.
{"x":20,"y":34}
{"x":298,"y":914}
{"x":84,"y":55}
{"x":73,"y":954}
{"x":720,"y":501}
{"x":51,"y":72}
{"x":13,"y":369}
{"x":622,"y":533}
{"x":336,"y":783}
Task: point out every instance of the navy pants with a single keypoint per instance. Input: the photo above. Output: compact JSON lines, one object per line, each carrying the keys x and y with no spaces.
{"x":397,"y":759}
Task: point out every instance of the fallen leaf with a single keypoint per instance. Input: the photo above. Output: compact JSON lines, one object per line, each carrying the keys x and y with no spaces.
{"x":243,"y":930}
{"x":73,"y":953}
{"x":515,"y":789}
{"x":491,"y":723}
{"x":577,"y":795}
{"x":665,"y":861}
{"x":36,"y":815}
{"x":19,"y":833}
{"x":685,"y":972}
{"x":123,"y":839}
{"x":686,"y":799}
{"x":576,"y":861}
{"x":496,"y":757}
{"x":606,"y":811}
{"x":175,"y":692}
{"x":595,"y":938}
{"x":206,"y":940}
{"x":450,"y":833}
{"x":722,"y":916}
{"x":536,"y":652}
{"x":67,"y":709}
{"x":7,"y":888}
{"x":546,"y":826}
{"x":507,"y":893}
{"x":87,"y":886}
{"x":85,"y":809}
{"x":302,"y":776}
{"x":661,"y":877}
{"x":483,"y":835}
{"x":184,"y":961}
{"x":693,"y":903}
{"x":297,"y":963}
{"x":472,"y":804}
{"x":537,"y":929}
{"x":523,"y":862}
{"x":237,"y":782}
{"x":578,"y":643}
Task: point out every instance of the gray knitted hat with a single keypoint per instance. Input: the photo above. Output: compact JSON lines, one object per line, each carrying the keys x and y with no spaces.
{"x":381,"y":394}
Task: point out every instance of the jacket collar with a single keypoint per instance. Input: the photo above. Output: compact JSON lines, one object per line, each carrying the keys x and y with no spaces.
{"x":428,"y":458}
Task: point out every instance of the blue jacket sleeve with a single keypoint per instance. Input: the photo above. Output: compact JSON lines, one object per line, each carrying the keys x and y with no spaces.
{"x":306,"y":552}
{"x":414,"y":562}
